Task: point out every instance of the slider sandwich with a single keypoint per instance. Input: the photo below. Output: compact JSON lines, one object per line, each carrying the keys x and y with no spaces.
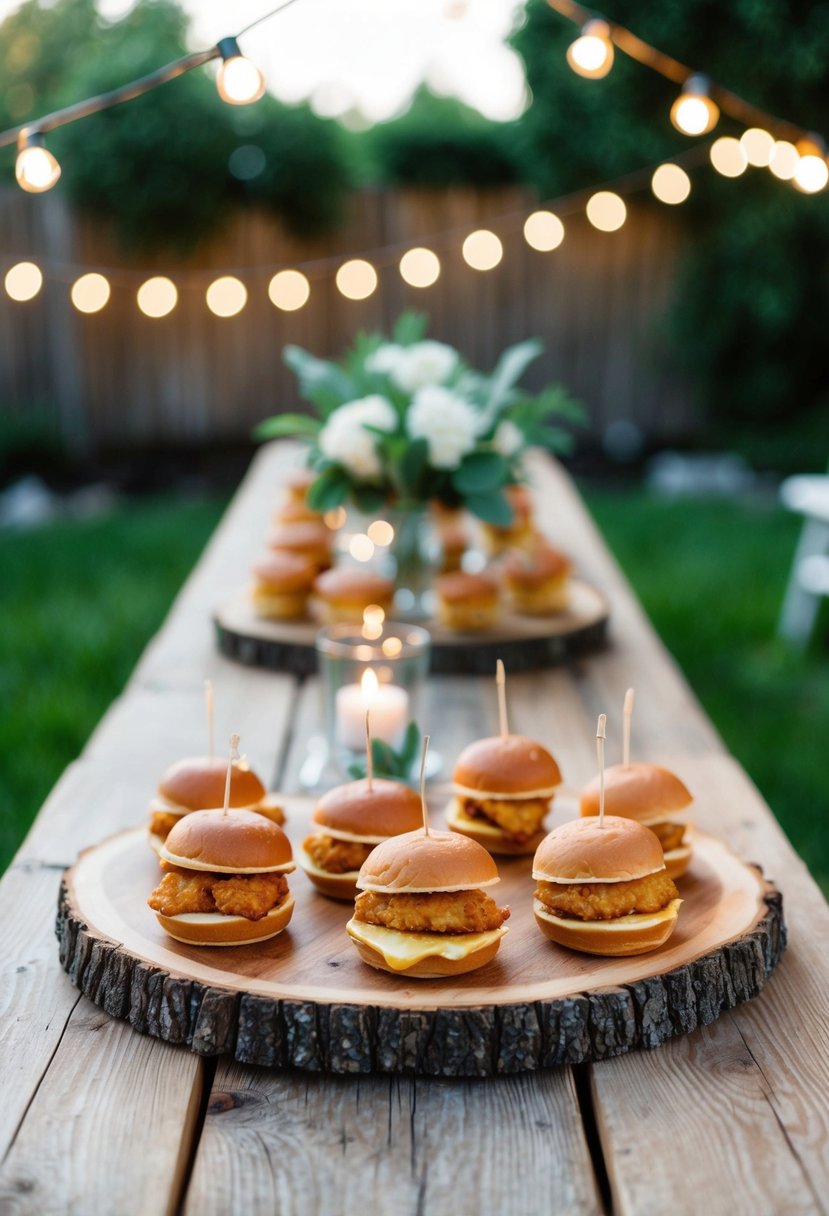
{"x":603,"y":887}
{"x":351,"y":820}
{"x":423,"y":910}
{"x":651,"y":795}
{"x":224,"y":879}
{"x":198,"y":783}
{"x":502,"y":790}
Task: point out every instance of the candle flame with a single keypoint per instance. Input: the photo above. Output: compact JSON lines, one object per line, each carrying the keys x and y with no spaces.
{"x":369,"y":685}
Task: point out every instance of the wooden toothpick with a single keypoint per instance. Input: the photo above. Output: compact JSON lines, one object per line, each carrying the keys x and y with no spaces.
{"x":369,"y":757}
{"x":208,"y":704}
{"x":234,"y":755}
{"x":501,"y":684}
{"x":426,"y":831}
{"x":626,"y":728}
{"x":601,"y":735}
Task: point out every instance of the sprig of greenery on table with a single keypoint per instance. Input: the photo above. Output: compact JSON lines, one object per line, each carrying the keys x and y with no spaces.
{"x":388,"y":762}
{"x":370,"y":439}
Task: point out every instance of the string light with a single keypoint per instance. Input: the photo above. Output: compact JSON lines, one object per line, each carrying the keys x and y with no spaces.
{"x":812,"y":172}
{"x":226,"y":296}
{"x":784,"y":158}
{"x":591,"y":54}
{"x":238,"y":80}
{"x":758,"y":146}
{"x":90,"y":292}
{"x":728,"y":156}
{"x":157,"y":297}
{"x":482,"y":250}
{"x":543,"y":231}
{"x":36,"y":169}
{"x":693,"y":112}
{"x":671,"y":184}
{"x":289,"y":290}
{"x":606,"y":211}
{"x":419,"y":267}
{"x":23,"y":281}
{"x":356,"y":279}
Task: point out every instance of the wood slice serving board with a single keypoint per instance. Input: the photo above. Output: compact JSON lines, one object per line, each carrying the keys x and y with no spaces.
{"x":524,"y":643}
{"x":305,"y":1000}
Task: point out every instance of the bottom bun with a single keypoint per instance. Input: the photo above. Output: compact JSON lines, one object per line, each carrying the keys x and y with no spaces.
{"x":215,"y":929}
{"x":385,"y":950}
{"x":677,"y":861}
{"x":156,"y":843}
{"x":337,"y":886}
{"x":489,"y":834}
{"x":633,"y":934}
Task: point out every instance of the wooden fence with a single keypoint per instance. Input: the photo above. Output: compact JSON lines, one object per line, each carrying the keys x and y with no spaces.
{"x":117,"y":378}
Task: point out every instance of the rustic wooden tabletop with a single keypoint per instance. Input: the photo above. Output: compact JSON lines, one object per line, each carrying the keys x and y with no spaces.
{"x":96,"y":1118}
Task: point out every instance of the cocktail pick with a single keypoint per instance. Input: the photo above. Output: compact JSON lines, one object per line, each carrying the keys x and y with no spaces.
{"x":369,"y":757}
{"x":626,"y":727}
{"x":425,"y":808}
{"x":601,"y":735}
{"x":234,"y":755}
{"x":208,"y":705}
{"x":501,"y":684}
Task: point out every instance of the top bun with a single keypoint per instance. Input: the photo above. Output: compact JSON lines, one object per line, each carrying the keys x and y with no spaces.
{"x":510,"y":765}
{"x":637,"y":791}
{"x":285,"y":571}
{"x":240,"y":842}
{"x":460,"y":586}
{"x":532,"y":568}
{"x":582,"y":851}
{"x":198,"y":783}
{"x":417,"y":862}
{"x":388,"y":809}
{"x":352,"y":583}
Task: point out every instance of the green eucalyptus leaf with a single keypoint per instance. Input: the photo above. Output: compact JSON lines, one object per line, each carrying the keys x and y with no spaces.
{"x":492,"y":508}
{"x":386,"y":763}
{"x":411,"y":465}
{"x":367,"y":498}
{"x":323,"y":382}
{"x":283,"y":426}
{"x":509,"y":369}
{"x":410,"y":327}
{"x":329,"y":490}
{"x":411,"y":746}
{"x":479,"y":473}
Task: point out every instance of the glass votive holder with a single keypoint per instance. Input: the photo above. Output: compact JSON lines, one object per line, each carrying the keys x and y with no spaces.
{"x":376,"y":667}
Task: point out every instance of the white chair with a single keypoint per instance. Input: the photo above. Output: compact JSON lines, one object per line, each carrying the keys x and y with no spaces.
{"x":809,"y":578}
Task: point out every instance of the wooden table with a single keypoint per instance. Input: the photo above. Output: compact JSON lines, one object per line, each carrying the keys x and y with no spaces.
{"x":97,"y":1119}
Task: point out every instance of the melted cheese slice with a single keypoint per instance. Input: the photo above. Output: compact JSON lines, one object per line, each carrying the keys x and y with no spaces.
{"x":402,"y":950}
{"x":621,"y":924}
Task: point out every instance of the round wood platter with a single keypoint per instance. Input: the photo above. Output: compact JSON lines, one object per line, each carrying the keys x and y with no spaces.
{"x":525,"y":643}
{"x":305,"y":1000}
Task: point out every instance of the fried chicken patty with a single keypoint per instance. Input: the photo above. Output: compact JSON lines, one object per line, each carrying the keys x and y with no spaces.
{"x":250,"y":895}
{"x":518,"y":818}
{"x":669,"y":834}
{"x":335,"y":856}
{"x":607,"y":900}
{"x":438,"y":912}
{"x":161,"y":822}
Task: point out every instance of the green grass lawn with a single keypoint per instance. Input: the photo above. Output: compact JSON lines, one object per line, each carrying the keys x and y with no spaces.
{"x":711,"y":576}
{"x":79,"y":600}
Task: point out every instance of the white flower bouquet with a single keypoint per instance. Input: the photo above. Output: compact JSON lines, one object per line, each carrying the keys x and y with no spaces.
{"x":404,"y":421}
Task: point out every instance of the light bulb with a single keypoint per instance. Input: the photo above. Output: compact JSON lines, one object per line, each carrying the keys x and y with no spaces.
{"x":671,"y":184}
{"x":784,"y":160}
{"x":693,"y":112}
{"x":543,"y":231}
{"x":238,"y":80}
{"x":157,"y":296}
{"x":728,"y":156}
{"x":356,"y":279}
{"x":419,"y":267}
{"x":226,"y":296}
{"x":812,"y":172}
{"x":36,"y":169}
{"x":591,"y":55}
{"x":758,"y":146}
{"x":606,"y":211}
{"x":482,"y":250}
{"x":23,"y":281}
{"x":90,"y":292}
{"x":289,"y":290}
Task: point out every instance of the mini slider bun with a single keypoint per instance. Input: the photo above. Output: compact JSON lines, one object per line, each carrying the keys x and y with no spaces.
{"x":283,"y":582}
{"x":648,"y":793}
{"x":309,"y":539}
{"x":420,"y":864}
{"x":466,"y":602}
{"x":498,"y":770}
{"x":357,"y":814}
{"x":238,"y":843}
{"x":198,"y":783}
{"x":585,"y":853}
{"x":343,"y":594}
{"x":536,"y":580}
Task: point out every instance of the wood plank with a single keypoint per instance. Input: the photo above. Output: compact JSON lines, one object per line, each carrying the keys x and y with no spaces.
{"x":109,"y":1128}
{"x":279,"y":1142}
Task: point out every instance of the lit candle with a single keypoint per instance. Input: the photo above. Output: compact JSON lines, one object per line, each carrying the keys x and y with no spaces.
{"x":389,"y":707}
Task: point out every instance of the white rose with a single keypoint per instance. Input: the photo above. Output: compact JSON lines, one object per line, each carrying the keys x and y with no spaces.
{"x":447,"y":422}
{"x":508,"y":439}
{"x":422,"y":364}
{"x":344,"y":437}
{"x":385,"y":359}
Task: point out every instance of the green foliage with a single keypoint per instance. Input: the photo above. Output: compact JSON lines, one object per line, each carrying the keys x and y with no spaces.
{"x":387,"y":762}
{"x":159,"y":167}
{"x":747,"y":318}
{"x":439,"y":141}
